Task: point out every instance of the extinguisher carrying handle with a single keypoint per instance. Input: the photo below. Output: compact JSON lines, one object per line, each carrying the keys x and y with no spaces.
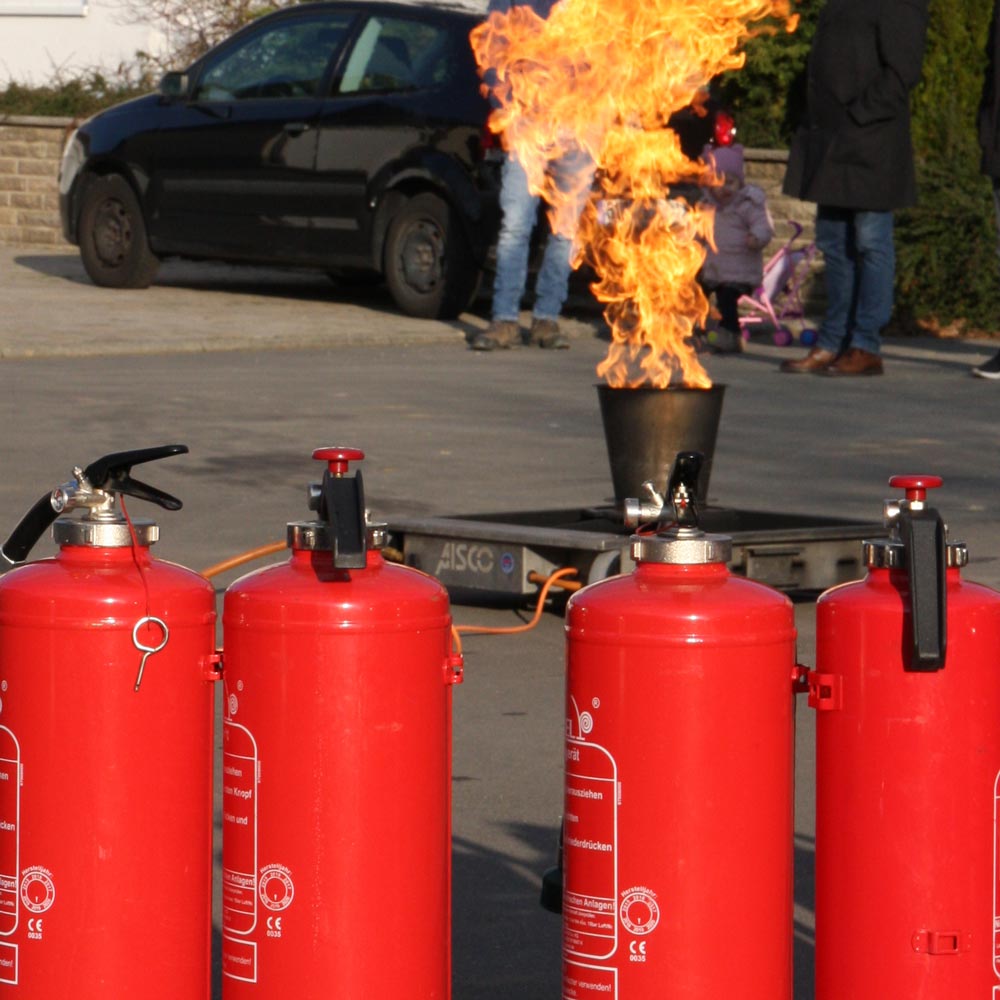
{"x":922,"y":535}
{"x":342,"y":506}
{"x":109,"y":473}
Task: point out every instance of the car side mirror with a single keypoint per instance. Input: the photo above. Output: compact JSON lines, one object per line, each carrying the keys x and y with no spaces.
{"x":174,"y":84}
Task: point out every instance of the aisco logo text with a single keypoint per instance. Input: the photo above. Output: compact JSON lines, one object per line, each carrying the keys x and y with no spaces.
{"x":466,"y":557}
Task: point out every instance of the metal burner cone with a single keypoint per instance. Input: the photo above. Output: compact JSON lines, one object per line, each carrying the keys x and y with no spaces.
{"x":645,"y":428}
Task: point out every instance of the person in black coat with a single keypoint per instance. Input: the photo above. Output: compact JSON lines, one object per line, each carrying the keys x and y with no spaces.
{"x":989,"y":142}
{"x":854,"y":159}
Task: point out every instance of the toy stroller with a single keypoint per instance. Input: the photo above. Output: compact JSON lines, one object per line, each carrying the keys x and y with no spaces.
{"x":778,"y":297}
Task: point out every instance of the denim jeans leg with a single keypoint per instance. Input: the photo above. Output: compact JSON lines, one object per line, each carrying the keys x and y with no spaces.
{"x":552,"y":283}
{"x":833,"y":238}
{"x":519,"y":207}
{"x":573,"y":175}
{"x":876,"y":270}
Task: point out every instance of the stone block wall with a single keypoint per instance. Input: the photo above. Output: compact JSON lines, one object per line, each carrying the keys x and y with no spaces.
{"x":30,"y":150}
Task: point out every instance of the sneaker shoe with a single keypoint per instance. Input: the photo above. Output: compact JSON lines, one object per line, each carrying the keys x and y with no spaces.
{"x":546,"y":333}
{"x":991,"y":369}
{"x":501,"y":333}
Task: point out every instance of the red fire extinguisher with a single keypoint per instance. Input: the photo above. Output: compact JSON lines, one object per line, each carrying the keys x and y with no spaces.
{"x":907,"y":693}
{"x":337,"y":766}
{"x":677,"y":826}
{"x":106,"y":712}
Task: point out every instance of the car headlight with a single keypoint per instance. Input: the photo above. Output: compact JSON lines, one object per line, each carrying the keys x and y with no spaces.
{"x":72,"y":160}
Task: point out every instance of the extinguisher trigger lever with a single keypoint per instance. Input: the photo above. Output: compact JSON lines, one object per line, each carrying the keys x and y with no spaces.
{"x":112,"y":474}
{"x":91,"y":487}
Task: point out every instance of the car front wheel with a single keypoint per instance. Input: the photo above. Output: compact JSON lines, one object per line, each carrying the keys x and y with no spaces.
{"x":428,"y":262}
{"x":113,"y":244}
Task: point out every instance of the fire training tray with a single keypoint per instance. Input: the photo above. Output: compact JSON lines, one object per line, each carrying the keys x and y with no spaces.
{"x":509,"y":553}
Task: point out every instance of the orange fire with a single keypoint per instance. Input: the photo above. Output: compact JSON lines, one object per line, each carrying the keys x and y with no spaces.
{"x":603,"y":76}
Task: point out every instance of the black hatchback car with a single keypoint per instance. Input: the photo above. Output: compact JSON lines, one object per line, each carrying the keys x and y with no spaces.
{"x":348,"y":137}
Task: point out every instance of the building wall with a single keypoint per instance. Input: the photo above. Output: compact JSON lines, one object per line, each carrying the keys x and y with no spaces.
{"x":67,"y":37}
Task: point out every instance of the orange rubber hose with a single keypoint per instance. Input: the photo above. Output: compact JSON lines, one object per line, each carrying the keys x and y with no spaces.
{"x":550,"y":581}
{"x":244,"y":557}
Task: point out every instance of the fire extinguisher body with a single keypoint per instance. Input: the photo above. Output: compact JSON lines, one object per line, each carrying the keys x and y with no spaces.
{"x":678,"y":790}
{"x":337,"y":782}
{"x":908,"y":765}
{"x":105,"y":789}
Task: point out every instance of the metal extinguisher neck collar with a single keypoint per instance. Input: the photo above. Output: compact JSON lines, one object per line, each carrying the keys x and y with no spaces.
{"x":682,"y":546}
{"x":317,"y":536}
{"x":104,"y":533}
{"x":888,"y":553}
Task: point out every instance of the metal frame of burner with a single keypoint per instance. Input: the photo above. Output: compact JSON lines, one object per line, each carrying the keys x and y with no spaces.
{"x":506,"y":554}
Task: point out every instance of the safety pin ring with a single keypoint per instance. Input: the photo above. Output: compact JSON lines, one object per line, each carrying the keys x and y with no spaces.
{"x":148,"y":651}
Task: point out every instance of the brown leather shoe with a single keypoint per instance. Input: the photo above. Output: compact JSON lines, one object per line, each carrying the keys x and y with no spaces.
{"x":856,"y":362}
{"x":816,"y":361}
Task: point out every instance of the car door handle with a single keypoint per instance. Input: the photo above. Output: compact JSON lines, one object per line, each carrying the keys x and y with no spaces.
{"x":296,"y":128}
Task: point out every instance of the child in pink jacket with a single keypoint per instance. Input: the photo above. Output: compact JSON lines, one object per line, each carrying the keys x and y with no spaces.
{"x":743,"y":227}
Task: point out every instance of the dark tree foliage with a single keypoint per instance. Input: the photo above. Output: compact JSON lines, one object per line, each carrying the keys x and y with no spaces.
{"x":768,"y":94}
{"x":947,"y":271}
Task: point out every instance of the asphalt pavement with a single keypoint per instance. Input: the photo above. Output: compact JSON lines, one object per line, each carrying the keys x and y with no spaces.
{"x":254,"y":368}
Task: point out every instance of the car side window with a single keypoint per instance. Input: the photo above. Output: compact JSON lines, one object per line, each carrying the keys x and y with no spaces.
{"x":397,"y":54}
{"x":289,"y":59}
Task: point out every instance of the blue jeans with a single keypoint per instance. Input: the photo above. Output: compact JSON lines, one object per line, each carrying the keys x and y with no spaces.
{"x":520,"y":211}
{"x":860,"y":265}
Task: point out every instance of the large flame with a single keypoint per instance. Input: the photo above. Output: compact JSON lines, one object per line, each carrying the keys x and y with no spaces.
{"x":603,"y":77}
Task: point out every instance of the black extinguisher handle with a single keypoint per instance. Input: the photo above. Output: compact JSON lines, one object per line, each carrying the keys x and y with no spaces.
{"x":682,"y":487}
{"x":923,"y":538}
{"x":109,"y":473}
{"x":343,"y":508}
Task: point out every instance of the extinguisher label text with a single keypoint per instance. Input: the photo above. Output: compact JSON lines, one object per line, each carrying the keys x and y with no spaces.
{"x":8,"y":963}
{"x":239,"y":818}
{"x":10,"y":842}
{"x":590,"y":926}
{"x":580,"y":981}
{"x":239,"y":959}
{"x":996,"y":880}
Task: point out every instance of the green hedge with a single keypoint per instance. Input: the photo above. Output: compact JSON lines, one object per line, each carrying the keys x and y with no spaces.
{"x":77,"y":98}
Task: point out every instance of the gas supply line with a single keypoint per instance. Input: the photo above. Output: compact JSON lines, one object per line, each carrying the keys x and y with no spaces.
{"x":558,"y":578}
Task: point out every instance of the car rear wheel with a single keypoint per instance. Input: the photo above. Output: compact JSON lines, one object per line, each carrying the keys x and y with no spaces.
{"x":113,"y":244}
{"x":428,"y":262}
